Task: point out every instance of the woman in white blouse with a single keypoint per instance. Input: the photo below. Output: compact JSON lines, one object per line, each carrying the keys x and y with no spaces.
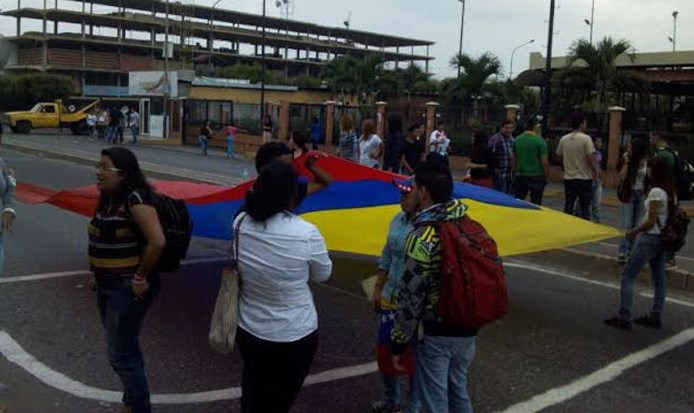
{"x":278,"y":254}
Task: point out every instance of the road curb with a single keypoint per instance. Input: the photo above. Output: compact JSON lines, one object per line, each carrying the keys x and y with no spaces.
{"x":154,"y":173}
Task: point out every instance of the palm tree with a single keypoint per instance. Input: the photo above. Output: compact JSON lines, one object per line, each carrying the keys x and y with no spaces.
{"x":348,"y":75}
{"x":475,"y":72}
{"x":593,"y":68}
{"x":474,"y":75}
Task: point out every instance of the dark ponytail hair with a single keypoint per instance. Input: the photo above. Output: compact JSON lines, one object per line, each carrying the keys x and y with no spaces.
{"x":639,"y":151}
{"x":134,"y":179}
{"x":662,"y":176}
{"x":274,"y":191}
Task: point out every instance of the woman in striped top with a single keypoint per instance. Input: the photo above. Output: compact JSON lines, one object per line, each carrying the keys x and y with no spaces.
{"x":125,"y":242}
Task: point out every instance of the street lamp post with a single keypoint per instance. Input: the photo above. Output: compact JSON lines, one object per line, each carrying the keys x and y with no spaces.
{"x":211,"y":39}
{"x":674,"y":30}
{"x":510,"y":72}
{"x":592,"y":21}
{"x":262,"y":71}
{"x":462,"y":26}
{"x":547,"y":97}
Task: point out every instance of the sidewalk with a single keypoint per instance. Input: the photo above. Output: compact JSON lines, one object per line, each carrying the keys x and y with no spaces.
{"x":181,"y":162}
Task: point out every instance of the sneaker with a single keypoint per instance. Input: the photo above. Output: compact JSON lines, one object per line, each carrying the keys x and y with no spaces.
{"x":671,"y":265}
{"x":383,"y":407}
{"x":619,"y":322}
{"x":648,"y":321}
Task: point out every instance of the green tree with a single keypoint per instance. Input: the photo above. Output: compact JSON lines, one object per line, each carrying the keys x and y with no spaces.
{"x":474,"y":75}
{"x":20,"y":92}
{"x":592,"y":68}
{"x":364,"y":77}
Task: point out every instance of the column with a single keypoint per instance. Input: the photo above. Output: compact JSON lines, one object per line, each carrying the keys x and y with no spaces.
{"x":512,"y":112}
{"x":329,"y":125}
{"x":381,"y":119}
{"x":615,"y":139}
{"x":283,"y":132}
{"x":431,"y":123}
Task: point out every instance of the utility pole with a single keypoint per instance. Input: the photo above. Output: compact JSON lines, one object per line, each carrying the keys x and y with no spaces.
{"x":546,"y":100}
{"x":592,"y":21}
{"x":674,"y":30}
{"x":462,"y":26}
{"x":262,"y":72}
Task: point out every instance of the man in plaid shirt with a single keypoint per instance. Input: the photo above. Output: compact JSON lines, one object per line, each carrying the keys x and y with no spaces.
{"x":501,"y":149}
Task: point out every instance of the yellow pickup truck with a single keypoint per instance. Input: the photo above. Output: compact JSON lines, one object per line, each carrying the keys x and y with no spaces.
{"x":49,"y":115}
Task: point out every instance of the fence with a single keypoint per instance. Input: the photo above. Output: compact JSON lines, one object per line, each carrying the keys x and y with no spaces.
{"x":461,"y":121}
{"x":301,"y":116}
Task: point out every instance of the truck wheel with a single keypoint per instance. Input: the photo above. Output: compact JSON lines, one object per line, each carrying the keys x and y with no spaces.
{"x":13,"y":129}
{"x":23,"y":126}
{"x":79,"y":128}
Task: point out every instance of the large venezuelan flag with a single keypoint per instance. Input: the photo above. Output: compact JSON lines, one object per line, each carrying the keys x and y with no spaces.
{"x":354,"y":213}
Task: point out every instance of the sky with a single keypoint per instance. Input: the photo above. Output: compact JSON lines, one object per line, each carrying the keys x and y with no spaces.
{"x":497,"y":26}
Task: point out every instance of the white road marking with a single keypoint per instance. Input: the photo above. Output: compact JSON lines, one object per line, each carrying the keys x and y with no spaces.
{"x":614,"y":286}
{"x":46,"y":276}
{"x":17,"y":355}
{"x":604,"y":375}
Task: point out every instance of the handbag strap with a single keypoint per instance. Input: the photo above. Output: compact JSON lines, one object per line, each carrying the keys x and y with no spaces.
{"x":236,"y":237}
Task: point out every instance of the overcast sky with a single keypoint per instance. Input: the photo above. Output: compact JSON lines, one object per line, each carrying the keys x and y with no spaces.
{"x":490,"y":25}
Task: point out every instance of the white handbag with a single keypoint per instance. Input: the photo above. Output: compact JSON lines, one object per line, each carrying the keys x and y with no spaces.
{"x":225,"y":319}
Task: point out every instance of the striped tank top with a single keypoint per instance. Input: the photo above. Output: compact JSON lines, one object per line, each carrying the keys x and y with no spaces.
{"x":114,"y":240}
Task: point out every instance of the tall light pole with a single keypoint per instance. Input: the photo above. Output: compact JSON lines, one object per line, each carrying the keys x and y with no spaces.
{"x":262,"y":71}
{"x":462,"y":26}
{"x":592,"y":21}
{"x":211,"y":39}
{"x":547,"y":97}
{"x":674,"y":30}
{"x":510,"y":72}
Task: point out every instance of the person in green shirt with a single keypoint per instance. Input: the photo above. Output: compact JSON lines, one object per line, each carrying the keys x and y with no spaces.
{"x":530,"y":163}
{"x":662,"y":149}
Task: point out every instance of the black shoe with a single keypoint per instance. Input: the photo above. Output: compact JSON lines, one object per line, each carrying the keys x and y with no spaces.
{"x":648,"y":321}
{"x":619,"y":322}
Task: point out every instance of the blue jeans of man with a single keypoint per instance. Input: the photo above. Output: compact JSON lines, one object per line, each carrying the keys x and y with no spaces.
{"x":442,"y":365}
{"x":394,"y":398}
{"x":204,"y":142}
{"x":632,"y":215}
{"x":581,"y":189}
{"x":533,"y":184}
{"x":503,"y":181}
{"x":122,"y":315}
{"x":648,"y":249}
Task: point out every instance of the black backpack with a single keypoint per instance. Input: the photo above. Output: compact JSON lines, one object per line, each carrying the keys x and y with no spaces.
{"x":674,"y":232}
{"x":178,"y":230}
{"x":177,"y":226}
{"x":684,"y":176}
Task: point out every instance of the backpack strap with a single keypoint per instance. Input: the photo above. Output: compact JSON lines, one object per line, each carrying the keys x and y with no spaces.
{"x":236,"y":237}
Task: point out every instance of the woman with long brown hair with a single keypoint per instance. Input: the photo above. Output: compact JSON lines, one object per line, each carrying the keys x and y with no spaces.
{"x":649,"y":248}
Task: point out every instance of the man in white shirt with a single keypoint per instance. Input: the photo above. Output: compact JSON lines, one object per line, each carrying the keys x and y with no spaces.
{"x":577,"y":153}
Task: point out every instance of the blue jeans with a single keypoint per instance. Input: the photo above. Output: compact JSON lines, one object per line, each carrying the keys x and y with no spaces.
{"x":136,"y":131}
{"x":122,"y":316}
{"x":648,"y":249}
{"x":230,"y":146}
{"x":632,"y":214}
{"x":503,"y":182}
{"x":442,"y":364}
{"x":2,"y":254}
{"x":596,"y":204}
{"x":204,"y":142}
{"x":393,"y":397}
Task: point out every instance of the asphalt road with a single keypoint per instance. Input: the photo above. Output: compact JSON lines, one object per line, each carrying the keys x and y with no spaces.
{"x":552,"y":338}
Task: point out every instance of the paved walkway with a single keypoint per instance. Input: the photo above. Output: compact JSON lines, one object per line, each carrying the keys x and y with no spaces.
{"x":176,"y":162}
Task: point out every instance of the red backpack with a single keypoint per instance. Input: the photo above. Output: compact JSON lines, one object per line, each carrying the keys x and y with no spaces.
{"x":473,"y":284}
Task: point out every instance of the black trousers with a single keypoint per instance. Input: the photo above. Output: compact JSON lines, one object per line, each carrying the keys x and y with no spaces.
{"x":533,"y":184}
{"x":581,"y":189}
{"x":273,"y":373}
